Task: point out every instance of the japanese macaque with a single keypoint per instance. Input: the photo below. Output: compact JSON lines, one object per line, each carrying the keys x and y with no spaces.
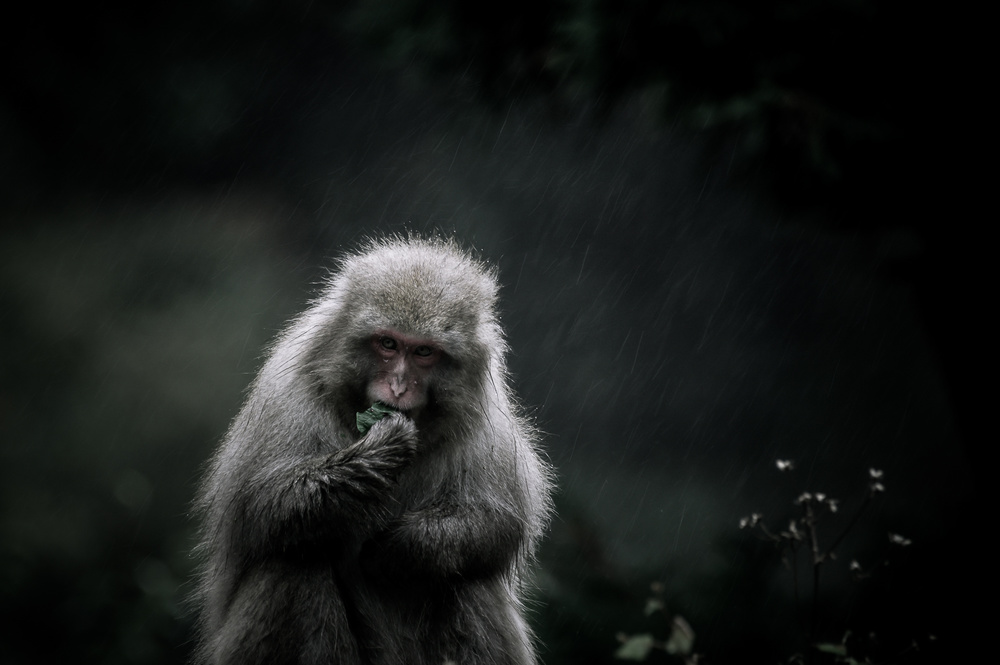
{"x":407,"y":544}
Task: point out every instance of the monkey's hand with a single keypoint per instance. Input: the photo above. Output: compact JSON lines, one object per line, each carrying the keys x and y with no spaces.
{"x":333,"y":497}
{"x":369,"y":468}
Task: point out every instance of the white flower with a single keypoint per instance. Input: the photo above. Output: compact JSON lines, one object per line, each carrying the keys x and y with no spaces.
{"x":750,"y":521}
{"x":897,"y":539}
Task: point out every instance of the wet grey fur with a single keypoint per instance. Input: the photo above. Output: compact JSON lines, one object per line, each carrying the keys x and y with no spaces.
{"x":407,"y":545}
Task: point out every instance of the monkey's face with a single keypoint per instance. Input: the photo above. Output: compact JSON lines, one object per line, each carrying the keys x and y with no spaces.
{"x":404,"y":369}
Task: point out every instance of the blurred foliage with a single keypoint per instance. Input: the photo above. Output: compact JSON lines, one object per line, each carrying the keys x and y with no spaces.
{"x":823,"y":102}
{"x":588,"y":599}
{"x":133,"y":343}
{"x":117,"y":97}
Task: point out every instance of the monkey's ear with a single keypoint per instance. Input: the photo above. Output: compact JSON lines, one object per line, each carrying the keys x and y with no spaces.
{"x":372,"y":415}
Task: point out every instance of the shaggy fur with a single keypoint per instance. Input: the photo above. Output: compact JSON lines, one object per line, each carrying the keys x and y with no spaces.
{"x":405,"y":545}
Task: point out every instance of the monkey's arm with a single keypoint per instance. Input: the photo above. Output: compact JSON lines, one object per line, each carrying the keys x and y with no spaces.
{"x":468,"y":540}
{"x":331,"y":497}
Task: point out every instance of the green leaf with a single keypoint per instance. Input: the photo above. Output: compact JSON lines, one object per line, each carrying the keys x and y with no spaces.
{"x":636,"y":647}
{"x":375,"y":413}
{"x":653,"y":605}
{"x":838,"y":649}
{"x":681,"y":640}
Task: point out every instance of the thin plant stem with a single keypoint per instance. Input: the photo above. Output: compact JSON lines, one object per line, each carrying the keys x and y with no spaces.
{"x":850,"y":525}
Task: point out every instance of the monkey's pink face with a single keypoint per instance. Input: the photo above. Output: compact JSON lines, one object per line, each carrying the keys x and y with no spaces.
{"x":404,"y":366}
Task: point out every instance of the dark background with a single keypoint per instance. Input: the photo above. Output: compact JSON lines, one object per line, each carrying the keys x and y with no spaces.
{"x":728,"y":233}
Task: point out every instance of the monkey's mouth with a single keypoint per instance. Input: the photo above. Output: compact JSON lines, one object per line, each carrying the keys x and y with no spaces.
{"x":404,"y":408}
{"x":404,"y":403}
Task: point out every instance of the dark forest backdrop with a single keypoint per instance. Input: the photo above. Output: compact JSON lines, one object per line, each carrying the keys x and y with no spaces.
{"x":729,"y":233}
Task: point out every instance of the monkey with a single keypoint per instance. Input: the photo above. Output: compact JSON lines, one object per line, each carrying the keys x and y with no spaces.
{"x":410,"y":543}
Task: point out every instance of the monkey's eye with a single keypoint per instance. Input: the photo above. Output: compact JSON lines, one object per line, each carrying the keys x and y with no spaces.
{"x":388,"y":343}
{"x":423,"y":351}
